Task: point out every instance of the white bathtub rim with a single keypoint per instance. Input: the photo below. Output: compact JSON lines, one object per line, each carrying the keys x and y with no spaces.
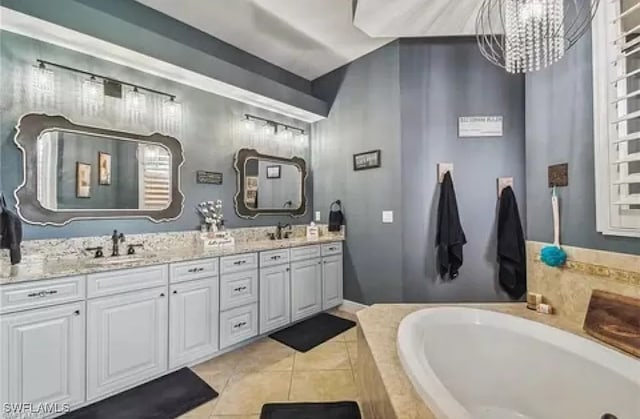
{"x":441,"y":402}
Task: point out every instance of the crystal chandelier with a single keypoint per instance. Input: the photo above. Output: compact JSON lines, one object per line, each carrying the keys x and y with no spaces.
{"x":527,"y":35}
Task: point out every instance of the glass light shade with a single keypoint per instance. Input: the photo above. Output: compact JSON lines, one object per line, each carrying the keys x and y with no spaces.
{"x":284,"y":133}
{"x":267,"y":129}
{"x":172,"y":115}
{"x":248,"y":124}
{"x":302,"y":137}
{"x":42,"y":79}
{"x":92,"y":96}
{"x":135,"y":105}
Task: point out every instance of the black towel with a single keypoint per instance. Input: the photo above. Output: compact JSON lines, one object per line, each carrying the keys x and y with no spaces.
{"x":450,"y":237}
{"x":336,"y":218}
{"x":10,"y":232}
{"x":511,"y":247}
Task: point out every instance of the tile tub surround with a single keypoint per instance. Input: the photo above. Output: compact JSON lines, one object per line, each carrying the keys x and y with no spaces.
{"x":45,"y":259}
{"x":385,"y":389}
{"x":568,"y":289}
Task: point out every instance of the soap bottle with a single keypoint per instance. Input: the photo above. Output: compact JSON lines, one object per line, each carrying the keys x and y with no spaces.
{"x":313,"y":232}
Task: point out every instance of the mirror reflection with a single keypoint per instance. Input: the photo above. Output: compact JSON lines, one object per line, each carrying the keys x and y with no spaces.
{"x":272,"y":185}
{"x":82,"y":171}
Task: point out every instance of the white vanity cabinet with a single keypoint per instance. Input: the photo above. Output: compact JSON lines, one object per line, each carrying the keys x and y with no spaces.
{"x":126,"y":340}
{"x":306,"y":282}
{"x":275,"y":290}
{"x":43,"y":355}
{"x":193,"y":312}
{"x":238,"y":298}
{"x":332,"y":275}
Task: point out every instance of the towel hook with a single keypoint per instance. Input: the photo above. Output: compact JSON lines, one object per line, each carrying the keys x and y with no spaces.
{"x":336,"y":202}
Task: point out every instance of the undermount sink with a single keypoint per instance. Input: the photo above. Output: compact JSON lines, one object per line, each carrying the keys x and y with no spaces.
{"x":115,"y":260}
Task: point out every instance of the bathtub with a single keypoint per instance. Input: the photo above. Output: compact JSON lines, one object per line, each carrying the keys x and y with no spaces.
{"x":469,"y":363}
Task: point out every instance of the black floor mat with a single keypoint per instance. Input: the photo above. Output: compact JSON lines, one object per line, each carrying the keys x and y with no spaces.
{"x":166,"y":397}
{"x":335,"y":410}
{"x":312,"y":332}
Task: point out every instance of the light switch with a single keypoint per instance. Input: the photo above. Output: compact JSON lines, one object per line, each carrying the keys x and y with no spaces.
{"x":318,"y":217}
{"x":387,"y":217}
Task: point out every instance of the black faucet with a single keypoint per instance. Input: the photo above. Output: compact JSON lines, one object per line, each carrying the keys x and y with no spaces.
{"x":116,"y":239}
{"x":279,"y":229}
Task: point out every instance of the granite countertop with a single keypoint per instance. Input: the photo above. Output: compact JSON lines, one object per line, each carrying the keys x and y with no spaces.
{"x":379,"y":324}
{"x":47,"y":268}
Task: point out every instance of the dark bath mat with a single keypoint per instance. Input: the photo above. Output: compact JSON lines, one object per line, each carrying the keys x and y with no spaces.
{"x":337,"y":410}
{"x":312,"y":332}
{"x":166,"y":397}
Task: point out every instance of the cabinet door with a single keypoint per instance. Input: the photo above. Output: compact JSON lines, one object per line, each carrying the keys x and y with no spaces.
{"x":331,"y":281}
{"x":193,"y":321}
{"x":43,"y":356}
{"x":127,"y":340}
{"x":275,"y":303}
{"x":306,"y":288}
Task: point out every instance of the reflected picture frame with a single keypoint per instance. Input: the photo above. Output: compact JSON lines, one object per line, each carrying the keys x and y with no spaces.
{"x":273,"y":172}
{"x":104,"y":168}
{"x":83,"y":180}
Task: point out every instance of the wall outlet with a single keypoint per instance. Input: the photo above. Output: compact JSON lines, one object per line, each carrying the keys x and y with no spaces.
{"x":503,"y":182}
{"x":318,"y":217}
{"x":444,"y":168}
{"x":387,"y":217}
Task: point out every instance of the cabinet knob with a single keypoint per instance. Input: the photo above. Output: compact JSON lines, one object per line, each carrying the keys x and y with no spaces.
{"x":288,"y":269}
{"x":175,"y":291}
{"x":162,"y":295}
{"x":77,"y":312}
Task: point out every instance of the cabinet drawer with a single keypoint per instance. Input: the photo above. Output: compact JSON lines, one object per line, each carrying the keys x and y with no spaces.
{"x":306,"y":252}
{"x":274,"y":257}
{"x":238,"y":289}
{"x":238,"y":263}
{"x":238,"y":324}
{"x":186,"y":271}
{"x":332,"y":249}
{"x":114,"y":282}
{"x":34,"y":294}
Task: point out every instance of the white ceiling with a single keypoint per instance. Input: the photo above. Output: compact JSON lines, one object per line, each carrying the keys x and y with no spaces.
{"x":307,"y":37}
{"x":417,"y":18}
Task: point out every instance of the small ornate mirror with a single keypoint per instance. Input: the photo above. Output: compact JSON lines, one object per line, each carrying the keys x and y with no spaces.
{"x":270,"y":185}
{"x":76,"y":172}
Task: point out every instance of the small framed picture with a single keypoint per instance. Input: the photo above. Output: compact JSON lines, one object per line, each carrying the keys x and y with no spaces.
{"x":83,"y":180}
{"x":251,"y":183}
{"x":367,"y":160}
{"x":273,"y":172}
{"x":104,"y":168}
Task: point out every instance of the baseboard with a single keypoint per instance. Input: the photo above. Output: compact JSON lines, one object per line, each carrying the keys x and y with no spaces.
{"x":352,"y":306}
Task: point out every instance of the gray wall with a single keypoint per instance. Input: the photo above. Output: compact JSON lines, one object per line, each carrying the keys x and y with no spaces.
{"x":365,"y":116}
{"x":211,"y":135}
{"x":405,"y":99}
{"x":441,"y":80}
{"x":559,"y":128}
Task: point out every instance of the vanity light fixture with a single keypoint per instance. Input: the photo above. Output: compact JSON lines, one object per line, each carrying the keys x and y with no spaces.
{"x":270,"y":127}
{"x":93,"y":92}
{"x":522,"y":36}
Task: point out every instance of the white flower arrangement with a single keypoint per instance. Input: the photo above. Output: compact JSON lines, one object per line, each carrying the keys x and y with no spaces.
{"x":211,"y":213}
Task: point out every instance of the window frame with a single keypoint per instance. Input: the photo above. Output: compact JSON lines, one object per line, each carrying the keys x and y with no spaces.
{"x":604,"y":131}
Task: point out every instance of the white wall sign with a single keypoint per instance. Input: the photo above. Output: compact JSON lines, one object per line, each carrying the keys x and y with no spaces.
{"x":480,"y":126}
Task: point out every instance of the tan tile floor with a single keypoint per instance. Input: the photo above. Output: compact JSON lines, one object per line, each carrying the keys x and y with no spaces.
{"x":267,"y":371}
